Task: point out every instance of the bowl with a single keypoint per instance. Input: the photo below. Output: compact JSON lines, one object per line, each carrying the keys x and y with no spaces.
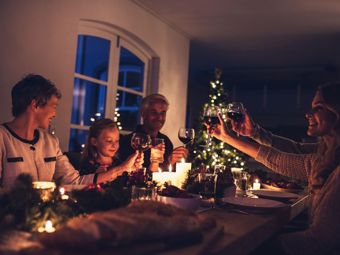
{"x":191,"y":203}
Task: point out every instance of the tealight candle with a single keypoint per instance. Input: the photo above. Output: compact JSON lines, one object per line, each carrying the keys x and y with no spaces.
{"x":256,"y":185}
{"x":62,"y":193}
{"x":45,"y":189}
{"x":49,"y":227}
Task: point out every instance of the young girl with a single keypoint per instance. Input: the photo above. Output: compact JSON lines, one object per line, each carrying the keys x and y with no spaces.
{"x":100,"y":150}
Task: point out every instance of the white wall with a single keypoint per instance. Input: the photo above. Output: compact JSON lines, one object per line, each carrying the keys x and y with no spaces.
{"x":39,"y":36}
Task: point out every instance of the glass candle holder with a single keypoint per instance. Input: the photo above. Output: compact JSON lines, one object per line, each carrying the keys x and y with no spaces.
{"x":45,"y":189}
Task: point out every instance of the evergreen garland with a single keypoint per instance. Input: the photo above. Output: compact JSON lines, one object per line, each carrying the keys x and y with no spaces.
{"x":22,"y":207}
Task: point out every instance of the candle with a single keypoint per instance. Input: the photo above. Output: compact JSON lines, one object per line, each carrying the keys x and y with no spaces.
{"x":182,"y":170}
{"x":162,"y":177}
{"x":256,"y":185}
{"x":49,"y":227}
{"x":62,"y":193}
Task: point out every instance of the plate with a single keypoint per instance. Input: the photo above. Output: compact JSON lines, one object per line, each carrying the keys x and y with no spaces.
{"x":253,"y":203}
{"x":266,"y":193}
{"x":267,"y":186}
{"x":190,"y":204}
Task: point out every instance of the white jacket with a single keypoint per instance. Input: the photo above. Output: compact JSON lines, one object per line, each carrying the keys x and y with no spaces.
{"x":41,"y":158}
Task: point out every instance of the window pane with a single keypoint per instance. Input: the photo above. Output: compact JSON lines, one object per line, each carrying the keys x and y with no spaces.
{"x":131,"y":70}
{"x":93,"y":57}
{"x":128,"y":105}
{"x":88,"y":101}
{"x":77,"y":139}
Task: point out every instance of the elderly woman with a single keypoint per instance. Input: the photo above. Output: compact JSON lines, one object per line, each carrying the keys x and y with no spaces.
{"x":320,"y":168}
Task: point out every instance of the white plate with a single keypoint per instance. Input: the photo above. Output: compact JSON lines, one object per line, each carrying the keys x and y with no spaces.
{"x":190,"y":204}
{"x":254,"y":203}
{"x":265,"y":193}
{"x":267,"y":186}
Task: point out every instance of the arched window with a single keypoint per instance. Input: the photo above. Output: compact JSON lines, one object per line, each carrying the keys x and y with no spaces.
{"x":113,"y":72}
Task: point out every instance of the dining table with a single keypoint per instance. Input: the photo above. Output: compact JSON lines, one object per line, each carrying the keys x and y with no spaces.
{"x":237,"y":231}
{"x":242,"y":231}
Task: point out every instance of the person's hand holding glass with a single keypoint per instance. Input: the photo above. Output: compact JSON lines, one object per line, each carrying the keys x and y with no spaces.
{"x":236,"y":114}
{"x":247,"y":127}
{"x":140,"y":142}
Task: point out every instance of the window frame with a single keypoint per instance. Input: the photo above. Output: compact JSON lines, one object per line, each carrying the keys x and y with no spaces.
{"x":117,"y":40}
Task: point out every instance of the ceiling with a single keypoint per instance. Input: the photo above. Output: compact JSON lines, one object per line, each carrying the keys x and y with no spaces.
{"x":250,"y":34}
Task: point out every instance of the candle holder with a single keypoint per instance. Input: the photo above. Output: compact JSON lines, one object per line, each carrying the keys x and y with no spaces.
{"x":45,"y":189}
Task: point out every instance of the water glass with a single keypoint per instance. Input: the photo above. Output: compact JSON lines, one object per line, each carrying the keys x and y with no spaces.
{"x":157,"y":154}
{"x":142,"y":193}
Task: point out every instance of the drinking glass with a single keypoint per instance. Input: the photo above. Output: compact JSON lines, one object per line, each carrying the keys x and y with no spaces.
{"x":140,"y":141}
{"x":142,"y":193}
{"x":236,"y":111}
{"x":210,"y":117}
{"x":242,"y":180}
{"x":186,"y":135}
{"x":157,"y":154}
{"x":207,"y":181}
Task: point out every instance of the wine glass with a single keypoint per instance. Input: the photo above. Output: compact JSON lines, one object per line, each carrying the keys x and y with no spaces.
{"x":140,"y":142}
{"x":236,"y":111}
{"x":186,"y":135}
{"x":210,"y":117}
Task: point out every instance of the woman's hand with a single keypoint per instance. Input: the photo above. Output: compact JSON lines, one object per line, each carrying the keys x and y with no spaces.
{"x":219,"y":131}
{"x":247,"y":127}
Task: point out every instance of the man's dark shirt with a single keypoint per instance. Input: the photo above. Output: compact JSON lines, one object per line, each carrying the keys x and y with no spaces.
{"x":125,"y":149}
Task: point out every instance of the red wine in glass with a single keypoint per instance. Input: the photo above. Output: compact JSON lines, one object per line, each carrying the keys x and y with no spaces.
{"x":186,"y":135}
{"x":211,"y":120}
{"x":236,"y":116}
{"x":185,"y":140}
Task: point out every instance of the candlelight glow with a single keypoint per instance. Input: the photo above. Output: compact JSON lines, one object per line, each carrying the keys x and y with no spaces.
{"x":45,"y":189}
{"x":256,"y":185}
{"x":47,"y":228}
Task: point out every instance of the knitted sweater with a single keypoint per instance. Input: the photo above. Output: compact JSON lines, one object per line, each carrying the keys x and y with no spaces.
{"x":42,"y":158}
{"x":323,"y":233}
{"x":267,"y":138}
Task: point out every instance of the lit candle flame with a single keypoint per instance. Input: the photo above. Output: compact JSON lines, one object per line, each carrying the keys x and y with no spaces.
{"x":182,"y":160}
{"x":62,"y":191}
{"x":47,"y":228}
{"x":170,"y":168}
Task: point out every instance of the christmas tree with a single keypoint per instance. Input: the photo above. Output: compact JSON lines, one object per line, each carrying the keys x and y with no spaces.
{"x":210,"y":152}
